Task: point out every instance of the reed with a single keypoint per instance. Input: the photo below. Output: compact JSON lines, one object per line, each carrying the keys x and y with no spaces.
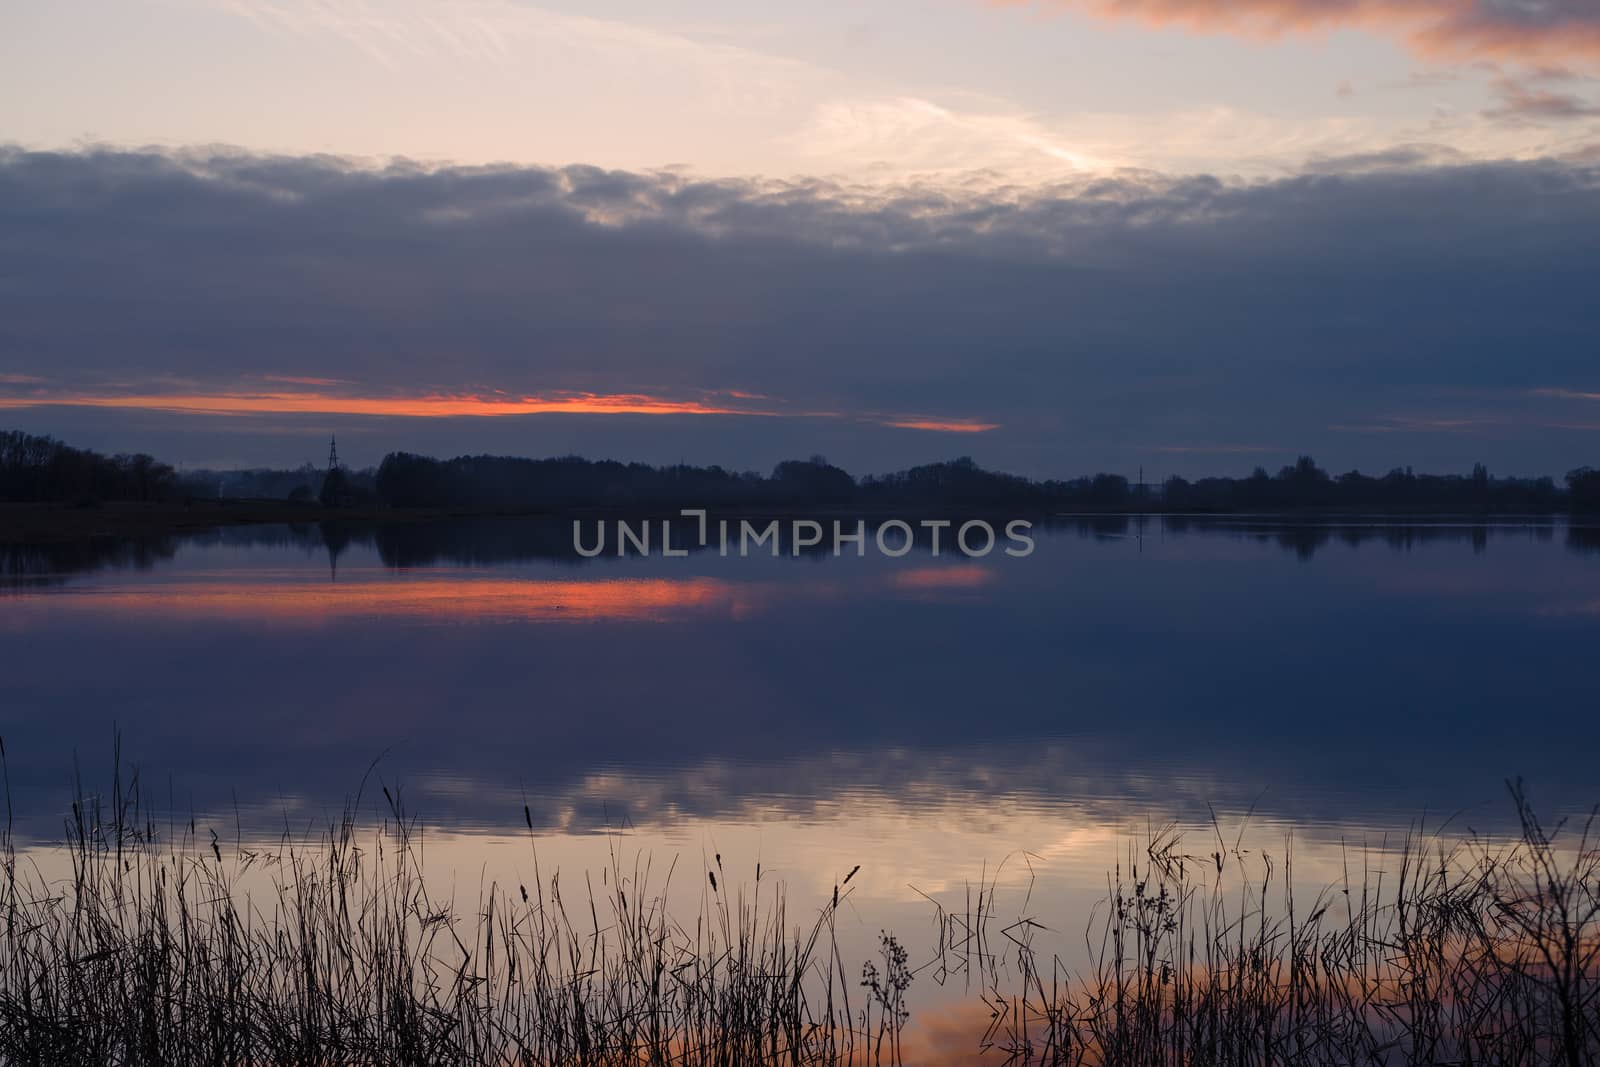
{"x":156,"y":951}
{"x":1454,"y":951}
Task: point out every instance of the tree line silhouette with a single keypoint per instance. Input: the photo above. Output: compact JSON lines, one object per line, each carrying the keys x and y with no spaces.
{"x":1305,"y":486}
{"x":407,"y":480}
{"x":44,"y":470}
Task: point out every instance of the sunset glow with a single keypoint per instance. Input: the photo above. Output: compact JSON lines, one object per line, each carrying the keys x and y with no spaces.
{"x":943,"y":425}
{"x":1437,"y":29}
{"x":429,"y":405}
{"x":322,"y":401}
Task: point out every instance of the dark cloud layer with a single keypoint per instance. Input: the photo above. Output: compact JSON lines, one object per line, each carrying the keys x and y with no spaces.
{"x":1395,"y":309}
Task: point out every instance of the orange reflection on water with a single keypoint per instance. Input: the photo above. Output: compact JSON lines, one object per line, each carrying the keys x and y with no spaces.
{"x":933,"y":579}
{"x":450,"y":599}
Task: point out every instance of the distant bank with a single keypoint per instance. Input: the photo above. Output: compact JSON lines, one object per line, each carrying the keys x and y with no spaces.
{"x":52,"y":490}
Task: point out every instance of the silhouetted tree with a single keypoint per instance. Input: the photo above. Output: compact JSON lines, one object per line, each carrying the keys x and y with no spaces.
{"x":1583,"y":489}
{"x":42,"y":469}
{"x":814,"y":480}
{"x":336,"y":491}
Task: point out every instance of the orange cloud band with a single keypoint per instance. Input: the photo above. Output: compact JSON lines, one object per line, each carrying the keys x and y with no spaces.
{"x":434,"y":405}
{"x":1444,"y":29}
{"x":458,"y":405}
{"x":942,"y":425}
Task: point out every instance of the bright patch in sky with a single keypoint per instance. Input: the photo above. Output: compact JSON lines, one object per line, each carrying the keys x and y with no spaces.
{"x":954,"y":88}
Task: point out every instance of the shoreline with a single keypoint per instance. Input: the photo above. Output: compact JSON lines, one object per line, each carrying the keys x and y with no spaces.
{"x":38,"y":523}
{"x":34,"y":523}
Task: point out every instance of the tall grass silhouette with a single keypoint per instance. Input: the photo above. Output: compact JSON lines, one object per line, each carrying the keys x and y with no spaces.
{"x":154,"y":950}
{"x":1468,"y":951}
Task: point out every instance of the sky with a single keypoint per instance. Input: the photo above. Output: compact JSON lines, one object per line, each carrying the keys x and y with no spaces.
{"x":1169,"y":236}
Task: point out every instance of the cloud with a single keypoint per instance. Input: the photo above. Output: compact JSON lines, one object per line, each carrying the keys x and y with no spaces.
{"x":433,"y":405}
{"x":290,"y":379}
{"x":1218,"y":450}
{"x":1420,"y":424}
{"x":920,"y":136}
{"x":1566,"y":394}
{"x":991,"y":142}
{"x":1081,"y":324}
{"x":424,"y":405}
{"x":1521,"y":30}
{"x":941,"y":425}
{"x":504,"y":33}
{"x":1522,"y":101}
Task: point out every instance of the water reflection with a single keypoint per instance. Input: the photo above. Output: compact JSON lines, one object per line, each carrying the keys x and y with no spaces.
{"x":490,"y":541}
{"x":24,"y":567}
{"x":287,"y":597}
{"x":1330,"y":676}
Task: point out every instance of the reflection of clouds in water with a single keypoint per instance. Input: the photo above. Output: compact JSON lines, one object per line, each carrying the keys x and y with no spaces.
{"x":1078,"y":679}
{"x":1050,"y":865}
{"x":953,"y":578}
{"x":449,"y":596}
{"x":444,"y":598}
{"x":986,"y":794}
{"x":413,"y":546}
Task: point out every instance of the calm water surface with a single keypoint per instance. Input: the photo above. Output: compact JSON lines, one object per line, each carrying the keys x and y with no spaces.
{"x":930,"y":719}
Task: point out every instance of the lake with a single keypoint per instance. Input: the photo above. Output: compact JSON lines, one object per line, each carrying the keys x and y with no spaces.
{"x":940,"y":722}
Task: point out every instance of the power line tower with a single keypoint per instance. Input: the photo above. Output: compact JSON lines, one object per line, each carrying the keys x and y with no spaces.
{"x":333,"y":454}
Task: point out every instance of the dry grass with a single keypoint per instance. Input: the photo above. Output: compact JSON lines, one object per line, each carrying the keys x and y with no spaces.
{"x":1473,"y":952}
